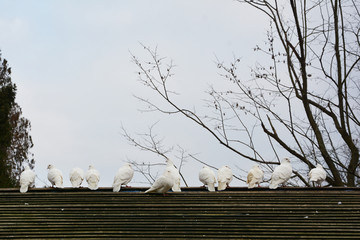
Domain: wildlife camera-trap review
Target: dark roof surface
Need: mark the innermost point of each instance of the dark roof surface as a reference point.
(237, 213)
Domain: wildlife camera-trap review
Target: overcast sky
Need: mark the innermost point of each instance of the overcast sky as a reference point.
(72, 65)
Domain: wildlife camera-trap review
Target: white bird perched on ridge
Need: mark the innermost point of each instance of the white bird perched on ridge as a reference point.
(162, 184)
(27, 178)
(76, 177)
(92, 178)
(123, 176)
(255, 176)
(55, 176)
(225, 176)
(281, 174)
(175, 174)
(207, 177)
(317, 175)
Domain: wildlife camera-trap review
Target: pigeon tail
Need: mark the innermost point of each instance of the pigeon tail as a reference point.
(273, 185)
(24, 188)
(222, 186)
(116, 188)
(59, 185)
(149, 190)
(251, 185)
(176, 186)
(211, 187)
(176, 189)
(93, 182)
(314, 179)
(76, 183)
(93, 186)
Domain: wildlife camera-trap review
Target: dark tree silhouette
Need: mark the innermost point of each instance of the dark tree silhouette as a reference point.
(15, 140)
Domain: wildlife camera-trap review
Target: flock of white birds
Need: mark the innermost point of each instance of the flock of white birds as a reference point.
(170, 179)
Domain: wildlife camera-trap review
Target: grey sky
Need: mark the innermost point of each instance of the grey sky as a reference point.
(76, 81)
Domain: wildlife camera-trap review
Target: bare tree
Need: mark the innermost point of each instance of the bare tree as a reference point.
(152, 143)
(304, 100)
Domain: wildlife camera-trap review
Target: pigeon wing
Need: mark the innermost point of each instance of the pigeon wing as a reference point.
(126, 176)
(93, 178)
(27, 178)
(161, 185)
(76, 177)
(55, 177)
(258, 174)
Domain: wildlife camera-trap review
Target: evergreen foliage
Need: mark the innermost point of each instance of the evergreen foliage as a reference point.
(15, 141)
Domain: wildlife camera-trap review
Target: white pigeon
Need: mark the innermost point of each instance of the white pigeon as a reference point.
(281, 174)
(255, 176)
(55, 176)
(317, 175)
(27, 178)
(92, 178)
(225, 176)
(76, 177)
(175, 174)
(207, 177)
(123, 176)
(162, 184)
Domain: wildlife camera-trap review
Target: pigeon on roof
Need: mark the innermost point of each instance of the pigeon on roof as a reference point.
(27, 178)
(162, 184)
(92, 178)
(76, 177)
(225, 176)
(281, 174)
(255, 176)
(208, 178)
(175, 174)
(123, 176)
(55, 176)
(317, 175)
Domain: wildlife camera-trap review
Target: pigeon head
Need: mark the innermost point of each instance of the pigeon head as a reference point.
(286, 160)
(50, 166)
(167, 172)
(169, 162)
(319, 165)
(27, 168)
(91, 166)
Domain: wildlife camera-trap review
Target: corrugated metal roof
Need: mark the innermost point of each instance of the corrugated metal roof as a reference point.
(237, 213)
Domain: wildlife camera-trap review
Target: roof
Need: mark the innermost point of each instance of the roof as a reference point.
(237, 213)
